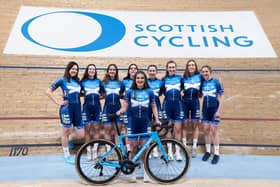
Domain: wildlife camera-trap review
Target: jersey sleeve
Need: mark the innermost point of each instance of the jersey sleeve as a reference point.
(152, 97)
(127, 97)
(56, 84)
(220, 89)
(101, 87)
(182, 83)
(122, 87)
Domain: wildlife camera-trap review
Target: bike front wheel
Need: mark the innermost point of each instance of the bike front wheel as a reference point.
(95, 164)
(174, 169)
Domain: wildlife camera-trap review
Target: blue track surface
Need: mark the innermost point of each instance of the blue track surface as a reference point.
(28, 168)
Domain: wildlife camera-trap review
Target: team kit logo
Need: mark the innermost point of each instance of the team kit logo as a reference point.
(49, 31)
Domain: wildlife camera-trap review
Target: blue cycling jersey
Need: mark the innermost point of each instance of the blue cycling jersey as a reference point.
(192, 86)
(112, 92)
(92, 88)
(139, 101)
(172, 87)
(71, 90)
(210, 90)
(155, 85)
(126, 84)
(71, 112)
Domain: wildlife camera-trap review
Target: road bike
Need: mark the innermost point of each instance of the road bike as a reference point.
(110, 159)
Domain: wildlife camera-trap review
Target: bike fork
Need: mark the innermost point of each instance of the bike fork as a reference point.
(162, 150)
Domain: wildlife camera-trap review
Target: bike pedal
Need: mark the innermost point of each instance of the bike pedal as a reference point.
(137, 164)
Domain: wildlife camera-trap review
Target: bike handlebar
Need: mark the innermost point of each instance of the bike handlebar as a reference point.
(163, 128)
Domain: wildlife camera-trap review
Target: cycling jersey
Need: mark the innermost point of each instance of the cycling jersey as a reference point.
(172, 104)
(156, 86)
(138, 111)
(192, 89)
(71, 112)
(112, 100)
(211, 89)
(92, 88)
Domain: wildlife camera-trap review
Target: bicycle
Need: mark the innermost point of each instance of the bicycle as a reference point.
(112, 158)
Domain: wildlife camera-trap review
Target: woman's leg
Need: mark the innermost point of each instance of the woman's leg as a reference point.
(195, 137)
(207, 139)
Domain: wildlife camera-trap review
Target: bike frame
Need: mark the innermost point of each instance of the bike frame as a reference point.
(153, 137)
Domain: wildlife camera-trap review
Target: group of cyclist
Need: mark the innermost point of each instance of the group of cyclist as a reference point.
(141, 105)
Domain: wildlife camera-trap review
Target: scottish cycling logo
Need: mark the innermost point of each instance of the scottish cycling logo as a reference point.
(104, 33)
(112, 31)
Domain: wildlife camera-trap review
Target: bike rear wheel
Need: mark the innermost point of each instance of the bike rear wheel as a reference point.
(90, 162)
(171, 171)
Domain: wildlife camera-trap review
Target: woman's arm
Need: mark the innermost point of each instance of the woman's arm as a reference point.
(220, 99)
(155, 112)
(50, 94)
(123, 109)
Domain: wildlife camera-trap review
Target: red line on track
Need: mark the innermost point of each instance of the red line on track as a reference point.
(28, 118)
(249, 119)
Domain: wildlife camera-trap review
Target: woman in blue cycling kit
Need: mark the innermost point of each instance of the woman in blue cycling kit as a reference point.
(192, 81)
(138, 101)
(92, 89)
(172, 104)
(112, 86)
(126, 85)
(70, 107)
(155, 84)
(213, 94)
(137, 104)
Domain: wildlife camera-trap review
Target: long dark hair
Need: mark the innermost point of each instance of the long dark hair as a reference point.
(134, 85)
(67, 69)
(187, 73)
(86, 75)
(167, 63)
(107, 76)
(128, 75)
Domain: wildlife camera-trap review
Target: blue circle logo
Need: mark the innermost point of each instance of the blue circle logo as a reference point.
(112, 31)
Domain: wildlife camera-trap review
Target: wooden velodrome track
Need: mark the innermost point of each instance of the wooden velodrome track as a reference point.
(251, 110)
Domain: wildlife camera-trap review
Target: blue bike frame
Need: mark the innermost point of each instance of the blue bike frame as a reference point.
(153, 136)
